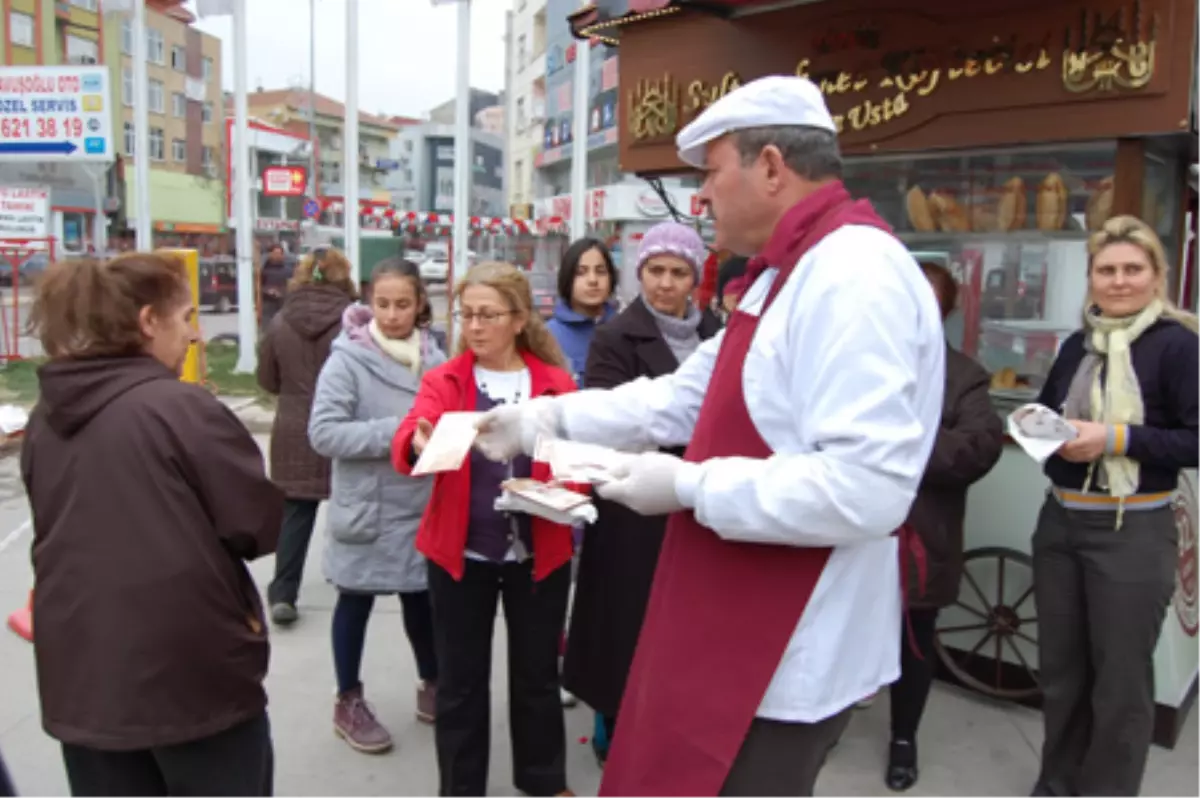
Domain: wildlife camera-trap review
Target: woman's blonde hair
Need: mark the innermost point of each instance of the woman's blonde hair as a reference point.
(324, 267)
(1132, 230)
(508, 281)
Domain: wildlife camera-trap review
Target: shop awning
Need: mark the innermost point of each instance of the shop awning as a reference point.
(604, 19)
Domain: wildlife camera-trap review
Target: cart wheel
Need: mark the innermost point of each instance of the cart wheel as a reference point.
(993, 627)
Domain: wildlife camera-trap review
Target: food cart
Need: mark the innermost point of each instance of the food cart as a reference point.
(993, 136)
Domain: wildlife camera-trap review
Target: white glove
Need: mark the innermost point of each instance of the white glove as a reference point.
(653, 483)
(511, 430)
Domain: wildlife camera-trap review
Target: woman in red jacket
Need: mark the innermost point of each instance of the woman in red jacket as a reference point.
(478, 555)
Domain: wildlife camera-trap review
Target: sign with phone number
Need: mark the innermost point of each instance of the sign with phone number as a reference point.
(55, 113)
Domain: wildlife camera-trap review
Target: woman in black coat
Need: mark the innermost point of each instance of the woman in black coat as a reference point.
(620, 551)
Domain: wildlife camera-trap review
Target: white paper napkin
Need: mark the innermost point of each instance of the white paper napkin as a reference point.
(1039, 430)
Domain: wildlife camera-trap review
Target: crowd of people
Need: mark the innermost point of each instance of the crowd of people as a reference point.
(774, 549)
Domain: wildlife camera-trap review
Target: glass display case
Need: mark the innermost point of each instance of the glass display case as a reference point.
(1012, 226)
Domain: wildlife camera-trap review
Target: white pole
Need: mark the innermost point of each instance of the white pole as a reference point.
(350, 202)
(243, 197)
(579, 139)
(462, 154)
(141, 128)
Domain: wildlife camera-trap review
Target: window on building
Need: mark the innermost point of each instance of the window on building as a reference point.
(82, 51)
(156, 49)
(155, 94)
(178, 150)
(178, 105)
(208, 161)
(207, 114)
(86, 5)
(521, 52)
(127, 37)
(178, 58)
(157, 144)
(331, 172)
(206, 69)
(20, 29)
(521, 123)
(127, 87)
(130, 138)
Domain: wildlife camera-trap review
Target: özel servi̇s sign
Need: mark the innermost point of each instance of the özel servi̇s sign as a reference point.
(55, 113)
(24, 216)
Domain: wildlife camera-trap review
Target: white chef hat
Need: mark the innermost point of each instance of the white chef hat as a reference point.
(773, 101)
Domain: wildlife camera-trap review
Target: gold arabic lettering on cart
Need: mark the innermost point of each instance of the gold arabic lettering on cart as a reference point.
(653, 108)
(1106, 54)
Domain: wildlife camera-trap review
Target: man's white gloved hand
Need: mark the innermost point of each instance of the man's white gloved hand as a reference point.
(653, 483)
(511, 430)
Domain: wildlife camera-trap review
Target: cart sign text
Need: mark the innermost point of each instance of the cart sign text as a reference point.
(55, 113)
(24, 216)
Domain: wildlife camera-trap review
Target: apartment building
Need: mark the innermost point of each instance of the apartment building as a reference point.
(423, 178)
(51, 33)
(186, 142)
(526, 100)
(292, 109)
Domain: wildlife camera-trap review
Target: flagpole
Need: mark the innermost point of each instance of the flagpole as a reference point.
(579, 138)
(141, 129)
(243, 195)
(350, 203)
(462, 155)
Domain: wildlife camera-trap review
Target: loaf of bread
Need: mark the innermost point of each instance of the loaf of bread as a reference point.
(950, 216)
(1012, 207)
(1004, 380)
(984, 217)
(919, 212)
(1099, 204)
(1051, 208)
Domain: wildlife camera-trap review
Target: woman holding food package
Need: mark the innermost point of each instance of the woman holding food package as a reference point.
(366, 386)
(1105, 546)
(968, 445)
(478, 555)
(651, 337)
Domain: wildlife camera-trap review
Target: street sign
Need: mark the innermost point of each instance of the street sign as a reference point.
(284, 181)
(24, 214)
(55, 113)
(312, 209)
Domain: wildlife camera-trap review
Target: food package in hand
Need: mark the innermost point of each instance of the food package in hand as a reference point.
(584, 463)
(545, 500)
(1039, 430)
(449, 445)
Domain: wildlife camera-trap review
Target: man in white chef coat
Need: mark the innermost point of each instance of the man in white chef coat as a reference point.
(809, 420)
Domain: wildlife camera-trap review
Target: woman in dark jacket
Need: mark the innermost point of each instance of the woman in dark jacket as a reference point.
(290, 356)
(1105, 547)
(149, 496)
(649, 338)
(967, 446)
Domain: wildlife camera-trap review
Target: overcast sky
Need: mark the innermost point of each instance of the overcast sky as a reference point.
(406, 49)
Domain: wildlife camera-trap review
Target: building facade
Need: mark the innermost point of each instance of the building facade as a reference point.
(292, 110)
(423, 179)
(526, 100)
(37, 32)
(186, 138)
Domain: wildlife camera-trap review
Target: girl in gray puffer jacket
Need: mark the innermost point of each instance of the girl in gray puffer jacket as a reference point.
(365, 389)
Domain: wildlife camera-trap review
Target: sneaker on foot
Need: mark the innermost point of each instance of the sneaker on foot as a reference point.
(901, 773)
(284, 614)
(426, 701)
(568, 700)
(355, 723)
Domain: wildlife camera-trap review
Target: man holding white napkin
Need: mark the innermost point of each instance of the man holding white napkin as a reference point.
(776, 603)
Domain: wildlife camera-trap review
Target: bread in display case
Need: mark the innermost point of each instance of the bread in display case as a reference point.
(1012, 227)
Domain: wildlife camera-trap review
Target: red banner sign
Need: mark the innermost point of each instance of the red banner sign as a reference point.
(284, 181)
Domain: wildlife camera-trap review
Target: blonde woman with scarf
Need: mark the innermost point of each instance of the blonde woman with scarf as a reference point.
(1104, 551)
(365, 389)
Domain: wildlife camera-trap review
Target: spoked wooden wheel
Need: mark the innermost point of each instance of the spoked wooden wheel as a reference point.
(988, 638)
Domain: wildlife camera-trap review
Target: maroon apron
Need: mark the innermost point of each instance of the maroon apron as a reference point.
(720, 614)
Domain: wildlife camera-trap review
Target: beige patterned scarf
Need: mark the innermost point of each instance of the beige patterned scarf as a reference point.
(405, 351)
(1115, 399)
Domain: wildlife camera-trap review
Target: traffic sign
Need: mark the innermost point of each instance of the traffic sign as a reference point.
(55, 113)
(284, 181)
(312, 209)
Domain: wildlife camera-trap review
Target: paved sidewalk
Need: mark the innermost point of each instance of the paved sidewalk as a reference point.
(969, 746)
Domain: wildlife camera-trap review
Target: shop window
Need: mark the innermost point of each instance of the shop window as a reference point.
(1012, 226)
(1161, 204)
(75, 227)
(157, 144)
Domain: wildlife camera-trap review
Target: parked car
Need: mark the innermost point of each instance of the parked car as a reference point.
(435, 269)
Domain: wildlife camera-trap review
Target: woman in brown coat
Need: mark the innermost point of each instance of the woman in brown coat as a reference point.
(967, 447)
(149, 496)
(290, 356)
(650, 338)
